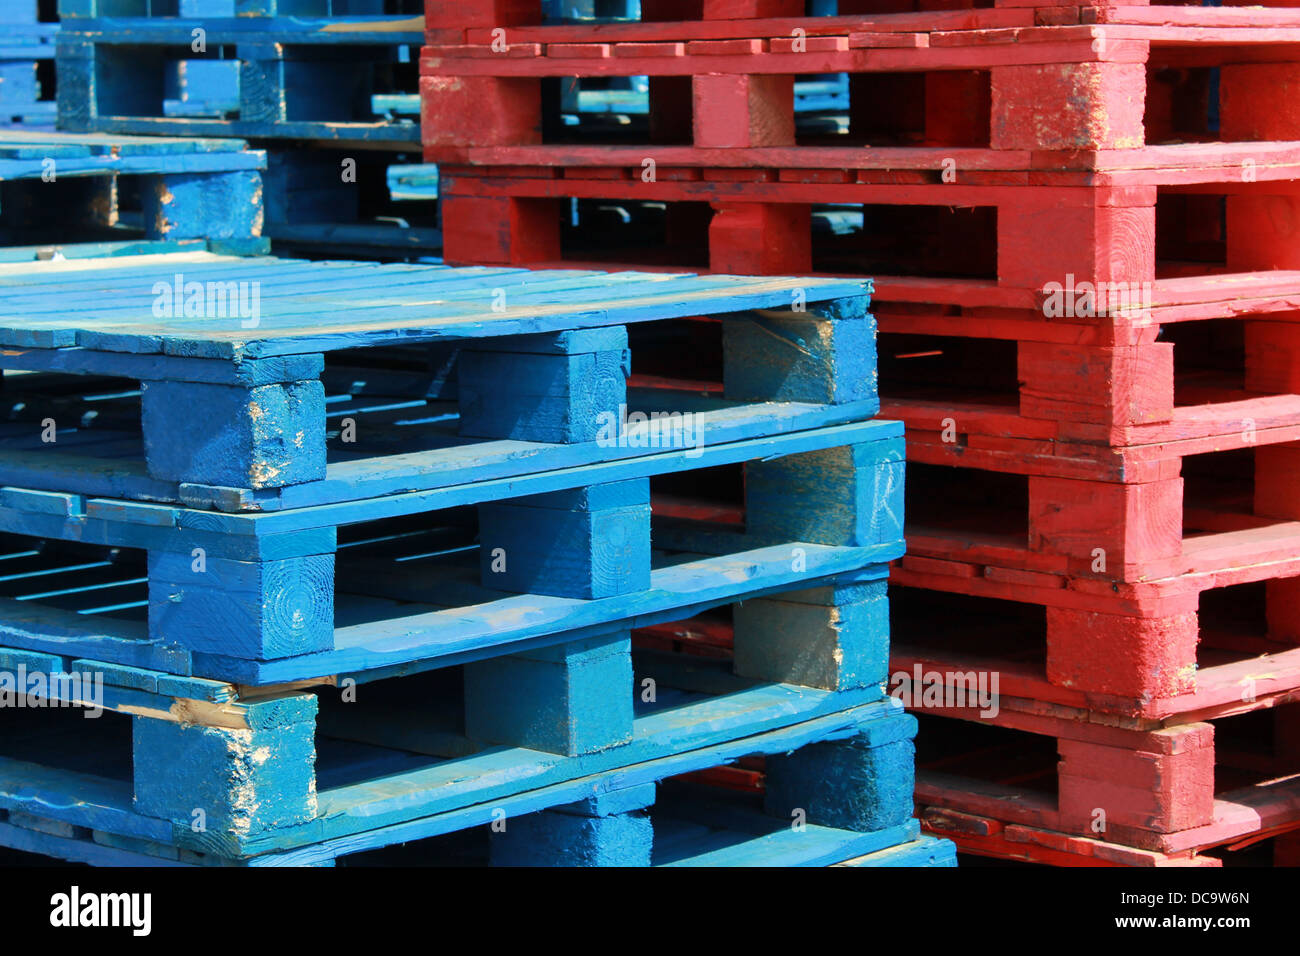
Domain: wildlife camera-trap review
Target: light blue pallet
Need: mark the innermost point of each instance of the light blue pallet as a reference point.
(687, 837)
(290, 77)
(23, 43)
(457, 610)
(531, 336)
(189, 188)
(925, 851)
(783, 848)
(571, 509)
(130, 248)
(417, 181)
(845, 767)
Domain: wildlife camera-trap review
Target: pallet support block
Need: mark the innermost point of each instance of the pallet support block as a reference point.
(1106, 105)
(1107, 527)
(851, 784)
(260, 610)
(565, 387)
(204, 205)
(264, 436)
(462, 111)
(242, 770)
(827, 356)
(956, 108)
(452, 17)
(750, 238)
(1282, 609)
(1128, 385)
(1249, 105)
(737, 110)
(570, 699)
(1273, 355)
(613, 829)
(1165, 789)
(1120, 654)
(1095, 237)
(750, 9)
(1277, 481)
(588, 543)
(499, 231)
(1262, 227)
(836, 638)
(841, 496)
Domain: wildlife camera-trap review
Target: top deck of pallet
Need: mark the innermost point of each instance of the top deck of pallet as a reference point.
(474, 20)
(313, 307)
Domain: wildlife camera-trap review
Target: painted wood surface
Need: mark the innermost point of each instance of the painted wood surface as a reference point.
(361, 816)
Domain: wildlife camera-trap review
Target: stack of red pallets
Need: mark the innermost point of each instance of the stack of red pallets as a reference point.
(1083, 223)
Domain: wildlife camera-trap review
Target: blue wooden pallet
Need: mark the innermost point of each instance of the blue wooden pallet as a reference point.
(323, 203)
(187, 780)
(70, 183)
(132, 248)
(537, 359)
(413, 182)
(343, 588)
(166, 10)
(291, 77)
(925, 851)
(24, 99)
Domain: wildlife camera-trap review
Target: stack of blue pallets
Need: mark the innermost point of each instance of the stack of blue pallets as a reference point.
(350, 554)
(26, 59)
(307, 80)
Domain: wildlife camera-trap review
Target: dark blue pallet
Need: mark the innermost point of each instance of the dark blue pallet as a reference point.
(296, 78)
(324, 203)
(266, 782)
(68, 184)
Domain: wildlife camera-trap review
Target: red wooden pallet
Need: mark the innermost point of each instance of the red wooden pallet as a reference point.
(972, 246)
(1128, 85)
(474, 20)
(1124, 647)
(985, 836)
(1175, 789)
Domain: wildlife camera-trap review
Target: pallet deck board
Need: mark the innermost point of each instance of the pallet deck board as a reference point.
(422, 313)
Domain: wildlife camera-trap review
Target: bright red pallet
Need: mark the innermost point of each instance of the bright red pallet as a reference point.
(985, 836)
(1129, 85)
(1135, 651)
(968, 246)
(1171, 788)
(472, 21)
